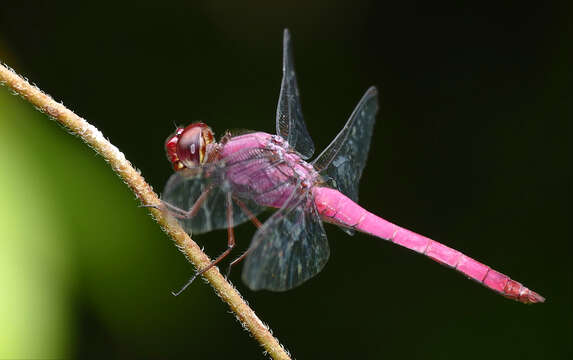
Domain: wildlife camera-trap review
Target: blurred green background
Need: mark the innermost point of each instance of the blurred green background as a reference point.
(472, 147)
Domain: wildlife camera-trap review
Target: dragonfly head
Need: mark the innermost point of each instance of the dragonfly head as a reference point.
(187, 147)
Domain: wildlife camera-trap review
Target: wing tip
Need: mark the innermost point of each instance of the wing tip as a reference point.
(286, 40)
(372, 91)
(259, 284)
(286, 50)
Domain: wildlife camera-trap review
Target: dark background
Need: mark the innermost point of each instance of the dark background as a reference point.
(472, 147)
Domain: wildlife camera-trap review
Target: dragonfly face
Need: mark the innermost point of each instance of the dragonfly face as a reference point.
(187, 147)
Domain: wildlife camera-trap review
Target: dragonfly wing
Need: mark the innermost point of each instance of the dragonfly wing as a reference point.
(289, 120)
(290, 247)
(208, 186)
(344, 159)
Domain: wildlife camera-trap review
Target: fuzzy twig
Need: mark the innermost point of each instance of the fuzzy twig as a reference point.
(95, 139)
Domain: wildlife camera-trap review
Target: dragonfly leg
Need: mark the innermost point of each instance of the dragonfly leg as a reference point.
(182, 214)
(251, 216)
(256, 222)
(158, 207)
(230, 246)
(236, 261)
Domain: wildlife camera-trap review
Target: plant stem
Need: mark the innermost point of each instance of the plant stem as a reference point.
(95, 139)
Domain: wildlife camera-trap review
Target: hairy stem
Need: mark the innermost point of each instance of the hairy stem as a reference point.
(95, 139)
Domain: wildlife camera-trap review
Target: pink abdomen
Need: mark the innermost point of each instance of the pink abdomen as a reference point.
(338, 209)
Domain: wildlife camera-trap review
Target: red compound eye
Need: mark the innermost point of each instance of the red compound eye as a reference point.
(188, 146)
(171, 149)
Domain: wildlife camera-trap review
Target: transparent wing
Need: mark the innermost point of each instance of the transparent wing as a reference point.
(255, 177)
(206, 188)
(290, 247)
(289, 120)
(344, 159)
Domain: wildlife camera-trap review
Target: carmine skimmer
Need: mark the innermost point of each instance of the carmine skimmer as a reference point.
(218, 185)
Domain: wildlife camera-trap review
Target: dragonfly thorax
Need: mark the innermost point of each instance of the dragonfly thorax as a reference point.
(265, 167)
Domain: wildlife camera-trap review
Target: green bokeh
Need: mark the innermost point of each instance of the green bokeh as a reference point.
(34, 256)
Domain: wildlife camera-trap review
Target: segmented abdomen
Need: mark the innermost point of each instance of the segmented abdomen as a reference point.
(336, 208)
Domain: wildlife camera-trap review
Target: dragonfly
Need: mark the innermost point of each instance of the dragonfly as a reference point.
(219, 185)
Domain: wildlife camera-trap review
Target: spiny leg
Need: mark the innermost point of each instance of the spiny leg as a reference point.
(256, 222)
(230, 245)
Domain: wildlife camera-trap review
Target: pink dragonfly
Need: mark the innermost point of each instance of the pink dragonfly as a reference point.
(218, 185)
